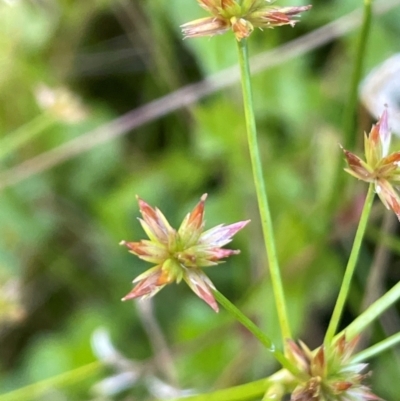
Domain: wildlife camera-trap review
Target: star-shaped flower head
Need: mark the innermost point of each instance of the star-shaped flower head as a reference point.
(242, 16)
(180, 254)
(329, 374)
(379, 167)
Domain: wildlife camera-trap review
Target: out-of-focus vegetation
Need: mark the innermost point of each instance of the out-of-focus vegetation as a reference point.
(70, 67)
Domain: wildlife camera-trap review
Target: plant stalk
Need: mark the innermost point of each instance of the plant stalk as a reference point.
(372, 312)
(349, 115)
(377, 348)
(245, 392)
(351, 265)
(263, 338)
(262, 199)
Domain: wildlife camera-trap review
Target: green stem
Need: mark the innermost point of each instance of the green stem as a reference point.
(244, 392)
(350, 110)
(265, 214)
(19, 137)
(349, 115)
(351, 265)
(264, 339)
(372, 312)
(36, 390)
(377, 348)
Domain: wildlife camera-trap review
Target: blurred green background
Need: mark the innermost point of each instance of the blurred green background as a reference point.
(67, 198)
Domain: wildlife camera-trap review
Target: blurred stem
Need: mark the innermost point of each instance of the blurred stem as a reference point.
(371, 313)
(376, 349)
(351, 265)
(37, 390)
(351, 108)
(246, 392)
(264, 339)
(162, 354)
(249, 391)
(23, 134)
(262, 199)
(349, 115)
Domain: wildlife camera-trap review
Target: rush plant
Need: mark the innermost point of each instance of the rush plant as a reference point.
(333, 371)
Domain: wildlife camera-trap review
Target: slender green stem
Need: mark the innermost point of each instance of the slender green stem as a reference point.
(351, 265)
(23, 134)
(263, 338)
(376, 349)
(245, 392)
(36, 390)
(372, 312)
(350, 110)
(265, 214)
(349, 115)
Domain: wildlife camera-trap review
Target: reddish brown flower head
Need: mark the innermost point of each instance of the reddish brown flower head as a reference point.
(242, 16)
(379, 167)
(180, 254)
(329, 374)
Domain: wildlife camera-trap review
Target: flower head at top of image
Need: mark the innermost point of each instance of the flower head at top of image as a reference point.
(242, 16)
(379, 167)
(180, 254)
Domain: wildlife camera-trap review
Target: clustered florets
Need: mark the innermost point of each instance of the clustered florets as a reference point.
(329, 374)
(180, 254)
(380, 168)
(242, 16)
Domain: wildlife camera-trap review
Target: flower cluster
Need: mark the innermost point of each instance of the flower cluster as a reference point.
(180, 254)
(242, 16)
(329, 373)
(380, 167)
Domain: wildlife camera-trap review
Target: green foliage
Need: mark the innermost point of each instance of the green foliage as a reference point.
(60, 226)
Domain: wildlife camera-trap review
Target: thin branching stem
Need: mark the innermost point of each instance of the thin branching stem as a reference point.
(359, 324)
(350, 111)
(351, 265)
(377, 348)
(259, 182)
(263, 338)
(245, 392)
